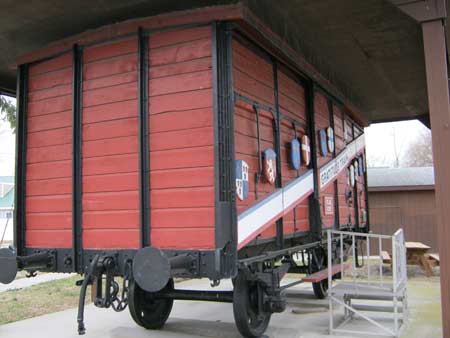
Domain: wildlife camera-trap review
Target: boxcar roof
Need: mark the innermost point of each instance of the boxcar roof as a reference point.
(371, 51)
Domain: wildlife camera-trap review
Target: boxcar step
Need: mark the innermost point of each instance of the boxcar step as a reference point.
(323, 274)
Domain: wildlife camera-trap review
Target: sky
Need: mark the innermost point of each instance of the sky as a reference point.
(7, 149)
(384, 140)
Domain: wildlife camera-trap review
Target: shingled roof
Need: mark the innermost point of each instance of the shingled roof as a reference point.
(397, 179)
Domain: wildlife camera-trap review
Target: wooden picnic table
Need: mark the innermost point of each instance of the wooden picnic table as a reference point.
(417, 254)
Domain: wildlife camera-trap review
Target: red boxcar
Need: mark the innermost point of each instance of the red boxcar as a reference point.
(192, 151)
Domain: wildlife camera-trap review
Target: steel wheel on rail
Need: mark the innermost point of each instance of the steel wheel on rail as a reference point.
(319, 263)
(146, 310)
(250, 322)
(320, 289)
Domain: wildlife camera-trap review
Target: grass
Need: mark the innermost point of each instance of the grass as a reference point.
(39, 299)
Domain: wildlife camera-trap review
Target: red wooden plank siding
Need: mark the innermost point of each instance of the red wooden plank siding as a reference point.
(49, 155)
(181, 139)
(291, 98)
(345, 211)
(253, 77)
(322, 121)
(110, 147)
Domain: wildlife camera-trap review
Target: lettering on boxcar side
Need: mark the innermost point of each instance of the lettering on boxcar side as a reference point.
(328, 205)
(329, 171)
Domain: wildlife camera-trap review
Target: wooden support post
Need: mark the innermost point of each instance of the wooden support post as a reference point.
(439, 108)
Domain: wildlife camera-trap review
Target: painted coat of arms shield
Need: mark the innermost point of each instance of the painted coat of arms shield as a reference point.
(242, 185)
(323, 143)
(306, 150)
(330, 139)
(295, 154)
(352, 175)
(270, 165)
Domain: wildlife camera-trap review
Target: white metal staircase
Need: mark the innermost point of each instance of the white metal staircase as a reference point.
(365, 292)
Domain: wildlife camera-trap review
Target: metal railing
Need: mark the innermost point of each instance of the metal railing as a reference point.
(367, 278)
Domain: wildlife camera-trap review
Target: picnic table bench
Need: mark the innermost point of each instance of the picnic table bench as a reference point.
(417, 254)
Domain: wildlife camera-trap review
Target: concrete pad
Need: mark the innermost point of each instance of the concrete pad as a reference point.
(187, 320)
(304, 317)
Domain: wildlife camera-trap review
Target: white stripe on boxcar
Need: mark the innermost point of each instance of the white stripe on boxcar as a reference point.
(333, 168)
(259, 215)
(252, 221)
(298, 189)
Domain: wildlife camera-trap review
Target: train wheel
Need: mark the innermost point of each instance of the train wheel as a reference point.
(319, 263)
(147, 311)
(320, 289)
(250, 322)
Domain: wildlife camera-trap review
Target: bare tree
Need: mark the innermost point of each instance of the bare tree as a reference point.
(419, 152)
(377, 160)
(397, 147)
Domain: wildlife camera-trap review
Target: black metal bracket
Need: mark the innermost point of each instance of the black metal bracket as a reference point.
(77, 124)
(225, 255)
(315, 219)
(21, 159)
(144, 159)
(88, 279)
(258, 132)
(107, 296)
(277, 145)
(268, 280)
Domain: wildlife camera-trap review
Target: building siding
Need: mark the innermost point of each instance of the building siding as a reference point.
(414, 211)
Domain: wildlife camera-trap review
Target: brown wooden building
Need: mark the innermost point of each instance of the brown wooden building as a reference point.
(404, 197)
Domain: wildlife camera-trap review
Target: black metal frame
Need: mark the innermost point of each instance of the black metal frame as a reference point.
(277, 144)
(144, 158)
(21, 159)
(336, 184)
(224, 157)
(366, 194)
(315, 218)
(77, 123)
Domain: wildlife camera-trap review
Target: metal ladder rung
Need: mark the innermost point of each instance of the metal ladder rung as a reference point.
(376, 308)
(372, 297)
